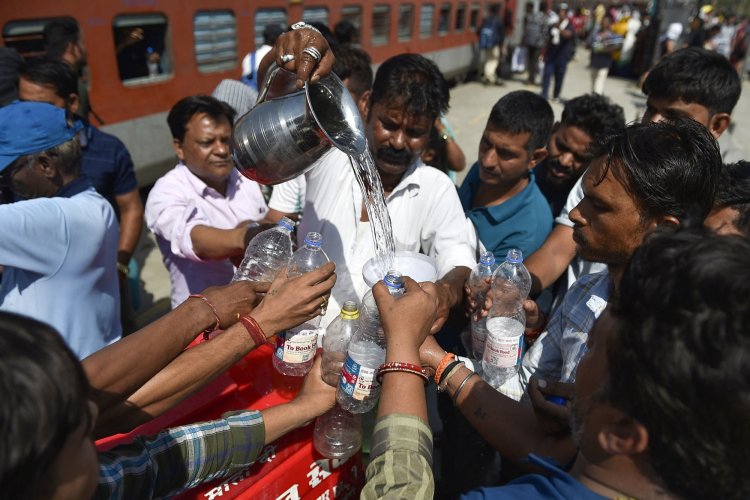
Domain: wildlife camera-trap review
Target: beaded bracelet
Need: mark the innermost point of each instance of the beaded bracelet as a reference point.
(442, 365)
(213, 310)
(397, 366)
(442, 382)
(460, 387)
(254, 329)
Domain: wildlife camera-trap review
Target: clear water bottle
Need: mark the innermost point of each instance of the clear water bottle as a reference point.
(336, 342)
(338, 433)
(358, 390)
(266, 253)
(480, 282)
(506, 320)
(295, 348)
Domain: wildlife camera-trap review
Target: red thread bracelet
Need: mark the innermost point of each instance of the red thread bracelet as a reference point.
(254, 329)
(397, 366)
(213, 310)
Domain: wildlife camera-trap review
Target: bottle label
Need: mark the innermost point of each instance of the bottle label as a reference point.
(504, 342)
(357, 381)
(299, 348)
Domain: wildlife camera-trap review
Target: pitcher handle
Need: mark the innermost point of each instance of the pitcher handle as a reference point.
(272, 70)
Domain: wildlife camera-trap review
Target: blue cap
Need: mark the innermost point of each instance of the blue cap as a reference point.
(32, 127)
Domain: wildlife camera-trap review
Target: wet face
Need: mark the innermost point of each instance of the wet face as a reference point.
(503, 157)
(607, 222)
(396, 137)
(723, 220)
(567, 154)
(75, 471)
(205, 149)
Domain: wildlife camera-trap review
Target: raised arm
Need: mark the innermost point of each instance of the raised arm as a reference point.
(549, 262)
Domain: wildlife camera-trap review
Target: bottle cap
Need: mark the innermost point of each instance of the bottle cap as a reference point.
(558, 400)
(286, 223)
(349, 310)
(393, 279)
(314, 239)
(514, 255)
(487, 259)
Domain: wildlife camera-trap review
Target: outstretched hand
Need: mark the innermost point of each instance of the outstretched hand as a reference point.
(408, 319)
(292, 301)
(235, 299)
(294, 43)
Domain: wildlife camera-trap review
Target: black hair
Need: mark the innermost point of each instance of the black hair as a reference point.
(345, 32)
(53, 72)
(271, 32)
(354, 64)
(695, 75)
(593, 113)
(733, 190)
(333, 43)
(414, 82)
(45, 393)
(677, 359)
(59, 33)
(670, 168)
(521, 112)
(182, 112)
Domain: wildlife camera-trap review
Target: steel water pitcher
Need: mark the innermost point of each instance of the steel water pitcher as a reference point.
(289, 129)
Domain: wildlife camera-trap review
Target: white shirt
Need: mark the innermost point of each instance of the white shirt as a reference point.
(259, 55)
(425, 211)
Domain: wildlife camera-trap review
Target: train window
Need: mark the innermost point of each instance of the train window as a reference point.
(142, 47)
(264, 17)
(215, 34)
(405, 21)
(315, 15)
(474, 17)
(381, 24)
(444, 19)
(426, 20)
(26, 36)
(460, 17)
(353, 14)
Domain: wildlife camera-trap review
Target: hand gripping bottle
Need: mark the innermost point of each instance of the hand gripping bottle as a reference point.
(336, 342)
(358, 390)
(506, 320)
(268, 252)
(480, 282)
(295, 348)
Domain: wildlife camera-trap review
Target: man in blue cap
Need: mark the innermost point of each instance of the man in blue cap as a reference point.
(59, 246)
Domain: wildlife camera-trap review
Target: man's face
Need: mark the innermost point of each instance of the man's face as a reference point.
(503, 157)
(30, 91)
(567, 154)
(607, 222)
(28, 180)
(205, 148)
(75, 471)
(396, 137)
(589, 414)
(659, 109)
(723, 220)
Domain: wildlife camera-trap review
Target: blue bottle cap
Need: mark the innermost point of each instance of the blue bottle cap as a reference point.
(558, 400)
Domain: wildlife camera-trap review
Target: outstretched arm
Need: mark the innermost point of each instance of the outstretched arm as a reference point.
(549, 262)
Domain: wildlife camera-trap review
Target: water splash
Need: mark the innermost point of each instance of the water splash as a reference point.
(380, 221)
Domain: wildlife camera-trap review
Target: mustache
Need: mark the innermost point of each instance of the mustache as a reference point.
(389, 154)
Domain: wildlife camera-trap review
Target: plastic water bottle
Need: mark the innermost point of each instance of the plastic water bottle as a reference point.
(295, 348)
(358, 390)
(336, 342)
(266, 253)
(480, 282)
(506, 320)
(338, 433)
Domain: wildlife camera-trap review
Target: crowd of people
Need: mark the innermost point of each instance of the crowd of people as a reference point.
(634, 383)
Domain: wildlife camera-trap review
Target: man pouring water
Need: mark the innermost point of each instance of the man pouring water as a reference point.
(408, 93)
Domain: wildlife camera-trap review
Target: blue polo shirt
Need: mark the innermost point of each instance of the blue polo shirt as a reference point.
(522, 222)
(555, 484)
(107, 164)
(59, 256)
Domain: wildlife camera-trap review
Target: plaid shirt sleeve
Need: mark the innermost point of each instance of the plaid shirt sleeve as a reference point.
(181, 457)
(401, 459)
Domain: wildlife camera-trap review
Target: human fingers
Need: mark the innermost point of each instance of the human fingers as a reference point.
(305, 52)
